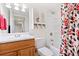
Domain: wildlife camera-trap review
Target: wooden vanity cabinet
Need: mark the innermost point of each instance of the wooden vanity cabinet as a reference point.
(18, 48)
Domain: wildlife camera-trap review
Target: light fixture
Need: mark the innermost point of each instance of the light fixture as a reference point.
(8, 5)
(24, 7)
(16, 6)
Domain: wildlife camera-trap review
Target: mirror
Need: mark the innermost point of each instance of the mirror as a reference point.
(17, 17)
(19, 24)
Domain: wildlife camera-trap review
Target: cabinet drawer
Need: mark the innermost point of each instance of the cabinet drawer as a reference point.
(24, 52)
(27, 52)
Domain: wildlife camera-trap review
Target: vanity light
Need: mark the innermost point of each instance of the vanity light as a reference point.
(24, 7)
(16, 4)
(8, 5)
(16, 8)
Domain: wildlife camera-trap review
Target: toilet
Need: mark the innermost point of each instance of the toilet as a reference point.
(41, 47)
(44, 51)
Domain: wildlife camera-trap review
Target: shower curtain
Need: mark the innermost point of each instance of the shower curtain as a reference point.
(70, 29)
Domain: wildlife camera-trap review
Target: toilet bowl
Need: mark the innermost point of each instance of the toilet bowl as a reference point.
(54, 50)
(42, 48)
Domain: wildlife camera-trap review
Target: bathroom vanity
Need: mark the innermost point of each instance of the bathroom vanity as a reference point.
(18, 48)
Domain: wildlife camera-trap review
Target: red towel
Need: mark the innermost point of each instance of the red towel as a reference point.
(3, 23)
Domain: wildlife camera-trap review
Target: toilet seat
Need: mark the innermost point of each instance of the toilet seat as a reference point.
(45, 51)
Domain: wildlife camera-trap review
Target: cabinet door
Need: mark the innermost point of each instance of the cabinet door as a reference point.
(32, 51)
(24, 52)
(10, 54)
(27, 52)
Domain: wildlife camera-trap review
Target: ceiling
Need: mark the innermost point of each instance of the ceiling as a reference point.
(41, 6)
(44, 6)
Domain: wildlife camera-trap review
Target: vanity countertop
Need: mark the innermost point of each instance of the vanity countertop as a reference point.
(14, 37)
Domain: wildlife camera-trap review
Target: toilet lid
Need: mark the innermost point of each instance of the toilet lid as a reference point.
(45, 51)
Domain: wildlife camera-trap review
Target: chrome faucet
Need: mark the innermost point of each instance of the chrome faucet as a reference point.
(17, 35)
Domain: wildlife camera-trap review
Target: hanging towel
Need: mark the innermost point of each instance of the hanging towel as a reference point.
(3, 25)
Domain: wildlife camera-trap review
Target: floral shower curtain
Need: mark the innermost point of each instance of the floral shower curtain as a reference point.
(70, 29)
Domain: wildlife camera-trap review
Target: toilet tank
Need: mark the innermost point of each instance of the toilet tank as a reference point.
(40, 42)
